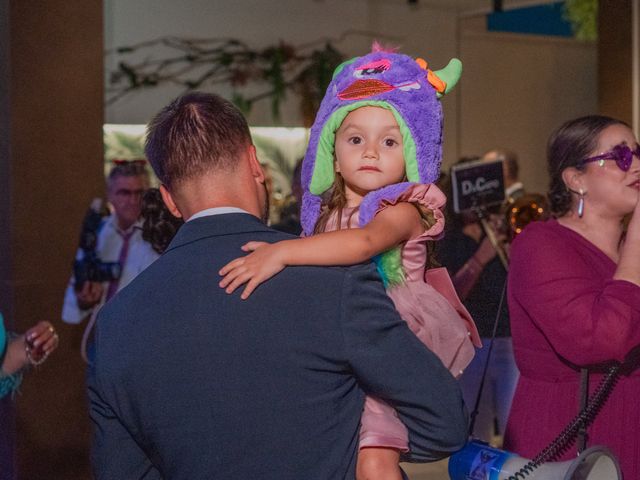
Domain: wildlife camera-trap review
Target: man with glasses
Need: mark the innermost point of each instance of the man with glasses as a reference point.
(119, 240)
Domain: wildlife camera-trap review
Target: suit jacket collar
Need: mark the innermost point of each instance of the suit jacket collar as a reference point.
(216, 225)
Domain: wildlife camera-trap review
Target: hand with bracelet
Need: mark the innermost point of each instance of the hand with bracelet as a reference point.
(40, 340)
(31, 348)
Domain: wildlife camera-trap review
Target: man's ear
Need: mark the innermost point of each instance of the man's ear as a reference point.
(572, 178)
(168, 201)
(254, 164)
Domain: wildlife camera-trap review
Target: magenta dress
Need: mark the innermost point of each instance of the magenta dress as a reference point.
(440, 323)
(566, 312)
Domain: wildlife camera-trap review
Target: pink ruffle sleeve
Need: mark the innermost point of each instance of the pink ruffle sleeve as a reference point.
(428, 196)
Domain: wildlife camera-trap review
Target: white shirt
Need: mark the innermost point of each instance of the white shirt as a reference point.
(513, 188)
(139, 257)
(208, 212)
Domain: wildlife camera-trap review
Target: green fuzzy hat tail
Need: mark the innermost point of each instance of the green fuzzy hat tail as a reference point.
(389, 266)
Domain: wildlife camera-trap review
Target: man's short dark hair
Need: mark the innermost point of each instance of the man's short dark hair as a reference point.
(195, 134)
(128, 168)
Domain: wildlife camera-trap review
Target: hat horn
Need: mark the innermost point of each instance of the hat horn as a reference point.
(450, 75)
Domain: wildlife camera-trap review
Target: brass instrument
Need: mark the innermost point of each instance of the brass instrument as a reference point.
(517, 214)
(524, 210)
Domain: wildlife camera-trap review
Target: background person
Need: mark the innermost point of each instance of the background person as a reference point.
(513, 187)
(290, 214)
(119, 239)
(479, 277)
(159, 226)
(17, 353)
(574, 293)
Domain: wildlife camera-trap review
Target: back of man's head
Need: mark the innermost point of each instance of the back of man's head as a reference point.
(195, 134)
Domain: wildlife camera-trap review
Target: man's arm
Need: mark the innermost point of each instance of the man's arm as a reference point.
(115, 453)
(391, 363)
(78, 305)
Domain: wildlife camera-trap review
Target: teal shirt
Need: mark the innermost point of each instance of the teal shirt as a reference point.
(8, 383)
(3, 339)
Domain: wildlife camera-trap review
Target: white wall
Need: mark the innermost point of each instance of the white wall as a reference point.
(514, 90)
(418, 30)
(517, 89)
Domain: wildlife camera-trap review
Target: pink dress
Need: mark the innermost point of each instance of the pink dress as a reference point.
(567, 311)
(438, 319)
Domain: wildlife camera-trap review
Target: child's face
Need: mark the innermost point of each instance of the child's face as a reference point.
(369, 152)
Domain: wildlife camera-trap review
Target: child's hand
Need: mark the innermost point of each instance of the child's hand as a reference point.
(260, 265)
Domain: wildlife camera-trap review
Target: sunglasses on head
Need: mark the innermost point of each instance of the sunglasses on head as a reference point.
(622, 155)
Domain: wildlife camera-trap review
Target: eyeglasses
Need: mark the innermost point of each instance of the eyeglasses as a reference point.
(126, 193)
(622, 155)
(120, 162)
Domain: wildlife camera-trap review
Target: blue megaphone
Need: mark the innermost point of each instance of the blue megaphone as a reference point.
(480, 461)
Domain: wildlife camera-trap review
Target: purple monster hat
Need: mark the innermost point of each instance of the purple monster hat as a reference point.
(406, 87)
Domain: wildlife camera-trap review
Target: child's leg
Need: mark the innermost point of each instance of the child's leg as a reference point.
(375, 463)
(382, 438)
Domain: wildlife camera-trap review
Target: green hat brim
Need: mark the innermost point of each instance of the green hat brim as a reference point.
(324, 171)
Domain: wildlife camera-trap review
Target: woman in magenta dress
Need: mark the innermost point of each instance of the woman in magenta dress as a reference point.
(574, 293)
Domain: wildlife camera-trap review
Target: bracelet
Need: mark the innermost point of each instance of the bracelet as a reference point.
(32, 361)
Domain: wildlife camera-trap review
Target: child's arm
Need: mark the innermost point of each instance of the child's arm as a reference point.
(392, 226)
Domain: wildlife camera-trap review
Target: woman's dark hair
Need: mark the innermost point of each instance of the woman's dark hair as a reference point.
(129, 168)
(568, 146)
(159, 225)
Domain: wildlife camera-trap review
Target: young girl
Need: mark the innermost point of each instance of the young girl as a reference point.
(374, 151)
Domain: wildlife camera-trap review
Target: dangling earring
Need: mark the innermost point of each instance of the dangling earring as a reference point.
(581, 204)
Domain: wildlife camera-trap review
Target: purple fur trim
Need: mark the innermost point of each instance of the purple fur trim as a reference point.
(308, 164)
(372, 200)
(309, 213)
(411, 96)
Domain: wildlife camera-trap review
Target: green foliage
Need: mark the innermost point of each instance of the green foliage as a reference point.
(241, 102)
(269, 149)
(312, 82)
(583, 15)
(194, 64)
(123, 146)
(274, 74)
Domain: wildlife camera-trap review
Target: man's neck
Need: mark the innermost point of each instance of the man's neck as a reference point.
(198, 198)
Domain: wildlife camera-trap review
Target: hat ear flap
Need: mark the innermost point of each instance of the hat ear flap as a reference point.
(323, 174)
(309, 212)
